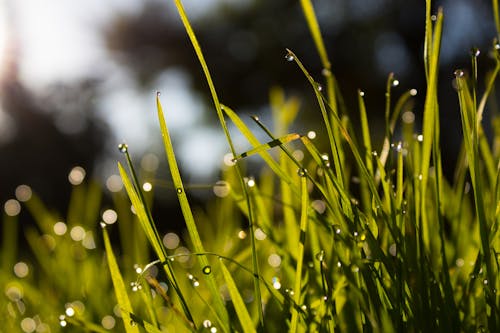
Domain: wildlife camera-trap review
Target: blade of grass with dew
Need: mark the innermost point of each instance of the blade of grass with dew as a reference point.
(266, 146)
(237, 300)
(301, 247)
(119, 286)
(430, 114)
(496, 15)
(151, 232)
(243, 128)
(220, 115)
(189, 218)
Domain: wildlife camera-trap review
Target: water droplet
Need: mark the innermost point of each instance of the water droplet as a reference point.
(361, 93)
(413, 92)
(497, 46)
(207, 323)
(393, 250)
(485, 282)
(254, 117)
(207, 270)
(354, 269)
(251, 182)
(303, 307)
(132, 322)
(302, 172)
(63, 323)
(475, 52)
(122, 147)
(374, 153)
(289, 57)
(458, 73)
(339, 264)
(433, 17)
(276, 283)
(311, 135)
(420, 138)
(179, 190)
(213, 329)
(337, 229)
(321, 255)
(319, 87)
(103, 225)
(395, 83)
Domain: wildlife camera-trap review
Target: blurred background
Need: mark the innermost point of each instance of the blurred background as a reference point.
(79, 77)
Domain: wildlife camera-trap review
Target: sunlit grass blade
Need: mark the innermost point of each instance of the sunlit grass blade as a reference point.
(237, 300)
(276, 142)
(119, 286)
(300, 255)
(188, 216)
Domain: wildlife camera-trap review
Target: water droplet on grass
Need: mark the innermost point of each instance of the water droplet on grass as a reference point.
(433, 18)
(395, 83)
(132, 322)
(207, 323)
(207, 270)
(158, 93)
(458, 73)
(321, 255)
(311, 135)
(319, 87)
(413, 92)
(122, 147)
(326, 72)
(289, 57)
(354, 269)
(276, 283)
(361, 93)
(475, 52)
(179, 190)
(302, 172)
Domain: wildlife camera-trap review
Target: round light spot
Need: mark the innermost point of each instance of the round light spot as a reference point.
(147, 186)
(393, 250)
(77, 233)
(28, 325)
(108, 322)
(14, 292)
(459, 262)
(251, 182)
(242, 234)
(420, 138)
(311, 135)
(117, 311)
(70, 312)
(274, 260)
(109, 216)
(114, 183)
(60, 228)
(21, 269)
(171, 240)
(298, 155)
(42, 328)
(150, 162)
(319, 206)
(88, 241)
(259, 234)
(221, 189)
(12, 207)
(76, 175)
(229, 160)
(23, 193)
(408, 117)
(183, 254)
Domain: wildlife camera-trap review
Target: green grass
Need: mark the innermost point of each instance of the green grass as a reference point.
(354, 238)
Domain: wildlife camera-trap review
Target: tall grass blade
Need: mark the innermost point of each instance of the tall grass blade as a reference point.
(119, 286)
(237, 300)
(188, 216)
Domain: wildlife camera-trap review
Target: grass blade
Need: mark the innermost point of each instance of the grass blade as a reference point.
(119, 287)
(239, 305)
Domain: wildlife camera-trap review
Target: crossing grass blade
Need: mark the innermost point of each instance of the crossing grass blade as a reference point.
(119, 286)
(266, 146)
(189, 218)
(241, 310)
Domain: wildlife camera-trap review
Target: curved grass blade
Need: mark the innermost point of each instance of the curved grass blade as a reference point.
(239, 305)
(189, 218)
(119, 286)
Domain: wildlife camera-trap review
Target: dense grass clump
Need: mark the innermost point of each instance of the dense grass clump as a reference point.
(347, 238)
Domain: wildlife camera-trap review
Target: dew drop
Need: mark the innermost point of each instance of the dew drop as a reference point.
(475, 52)
(497, 46)
(122, 147)
(302, 172)
(458, 73)
(276, 283)
(207, 323)
(179, 190)
(207, 270)
(319, 87)
(361, 93)
(289, 57)
(337, 229)
(374, 153)
(420, 138)
(354, 269)
(395, 83)
(132, 322)
(311, 135)
(158, 93)
(321, 255)
(433, 17)
(413, 92)
(485, 282)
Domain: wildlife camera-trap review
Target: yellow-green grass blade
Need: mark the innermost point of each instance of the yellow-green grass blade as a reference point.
(243, 128)
(496, 15)
(237, 300)
(119, 286)
(300, 255)
(266, 146)
(430, 114)
(188, 216)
